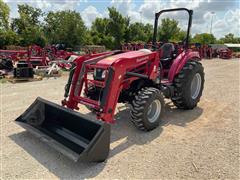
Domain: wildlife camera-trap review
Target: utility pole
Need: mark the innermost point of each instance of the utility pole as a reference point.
(212, 13)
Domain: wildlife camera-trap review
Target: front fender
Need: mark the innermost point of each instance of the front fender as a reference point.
(180, 61)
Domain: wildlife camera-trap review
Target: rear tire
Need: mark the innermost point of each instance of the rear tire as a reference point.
(147, 109)
(188, 85)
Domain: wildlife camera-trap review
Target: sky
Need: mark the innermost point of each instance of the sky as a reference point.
(224, 14)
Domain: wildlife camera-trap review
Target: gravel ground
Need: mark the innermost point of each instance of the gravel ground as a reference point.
(196, 144)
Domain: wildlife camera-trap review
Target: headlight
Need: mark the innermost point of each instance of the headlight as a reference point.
(104, 74)
(99, 74)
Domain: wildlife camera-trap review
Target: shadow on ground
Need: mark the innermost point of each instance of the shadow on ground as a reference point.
(66, 169)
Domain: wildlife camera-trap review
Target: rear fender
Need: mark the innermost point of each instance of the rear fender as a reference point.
(180, 61)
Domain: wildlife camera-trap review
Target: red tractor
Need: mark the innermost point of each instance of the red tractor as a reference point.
(140, 78)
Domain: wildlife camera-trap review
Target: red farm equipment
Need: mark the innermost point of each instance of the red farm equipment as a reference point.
(60, 57)
(205, 51)
(140, 78)
(33, 55)
(24, 65)
(56, 54)
(14, 55)
(8, 57)
(221, 51)
(37, 56)
(225, 53)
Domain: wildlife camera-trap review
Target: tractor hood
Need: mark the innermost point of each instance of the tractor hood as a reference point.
(131, 55)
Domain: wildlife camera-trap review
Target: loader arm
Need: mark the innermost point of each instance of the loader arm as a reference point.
(75, 80)
(113, 83)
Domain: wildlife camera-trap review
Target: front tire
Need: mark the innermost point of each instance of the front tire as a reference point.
(188, 85)
(147, 109)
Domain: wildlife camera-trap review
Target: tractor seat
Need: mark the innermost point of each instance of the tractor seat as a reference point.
(167, 50)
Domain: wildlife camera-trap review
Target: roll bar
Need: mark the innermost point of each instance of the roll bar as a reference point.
(190, 13)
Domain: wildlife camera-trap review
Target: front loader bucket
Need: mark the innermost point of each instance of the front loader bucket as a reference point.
(73, 134)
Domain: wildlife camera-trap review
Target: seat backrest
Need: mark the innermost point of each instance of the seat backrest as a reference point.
(167, 50)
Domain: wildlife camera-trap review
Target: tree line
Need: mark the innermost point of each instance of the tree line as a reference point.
(33, 26)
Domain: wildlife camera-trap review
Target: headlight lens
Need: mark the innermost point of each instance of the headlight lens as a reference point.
(104, 74)
(99, 74)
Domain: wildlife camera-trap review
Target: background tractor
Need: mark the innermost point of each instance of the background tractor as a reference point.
(140, 78)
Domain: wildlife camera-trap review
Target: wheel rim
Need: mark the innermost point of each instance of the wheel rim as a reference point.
(154, 111)
(196, 85)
